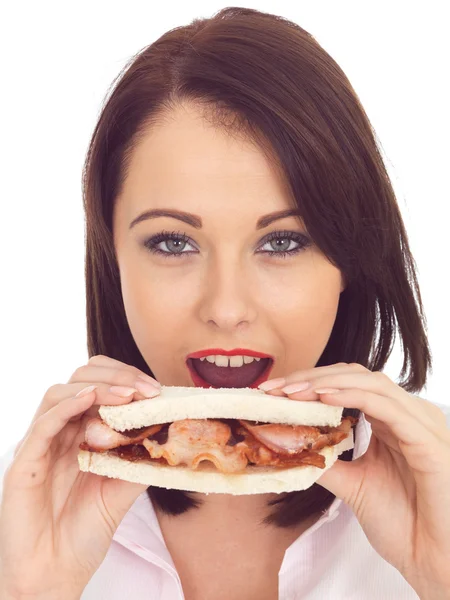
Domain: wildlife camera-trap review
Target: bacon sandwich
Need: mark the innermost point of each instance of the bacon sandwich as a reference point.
(217, 440)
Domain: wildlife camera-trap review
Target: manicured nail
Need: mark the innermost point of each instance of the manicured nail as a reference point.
(296, 387)
(147, 389)
(271, 384)
(123, 392)
(149, 379)
(85, 391)
(327, 391)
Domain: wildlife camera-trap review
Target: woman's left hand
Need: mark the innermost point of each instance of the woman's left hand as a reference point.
(399, 490)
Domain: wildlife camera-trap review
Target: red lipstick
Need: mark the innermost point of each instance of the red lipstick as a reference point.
(200, 382)
(235, 352)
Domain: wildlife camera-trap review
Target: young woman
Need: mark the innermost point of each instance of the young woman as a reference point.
(235, 197)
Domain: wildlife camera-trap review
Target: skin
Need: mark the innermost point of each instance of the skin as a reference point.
(222, 292)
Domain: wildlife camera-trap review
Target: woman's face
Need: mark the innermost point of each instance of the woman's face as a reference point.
(219, 287)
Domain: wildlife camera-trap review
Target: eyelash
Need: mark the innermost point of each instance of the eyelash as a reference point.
(303, 241)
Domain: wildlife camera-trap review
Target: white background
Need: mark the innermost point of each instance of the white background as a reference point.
(58, 60)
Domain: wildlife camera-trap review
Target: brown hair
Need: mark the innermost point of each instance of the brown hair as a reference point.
(264, 77)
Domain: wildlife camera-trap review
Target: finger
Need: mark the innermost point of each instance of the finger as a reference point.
(426, 453)
(119, 496)
(35, 446)
(111, 375)
(91, 413)
(307, 375)
(86, 375)
(105, 361)
(54, 396)
(117, 377)
(378, 383)
(409, 428)
(276, 392)
(105, 395)
(383, 433)
(59, 392)
(306, 396)
(342, 479)
(116, 396)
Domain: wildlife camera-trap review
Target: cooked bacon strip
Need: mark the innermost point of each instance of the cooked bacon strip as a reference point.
(99, 436)
(191, 441)
(259, 455)
(292, 439)
(296, 460)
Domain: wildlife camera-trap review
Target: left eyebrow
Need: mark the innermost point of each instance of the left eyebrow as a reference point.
(196, 221)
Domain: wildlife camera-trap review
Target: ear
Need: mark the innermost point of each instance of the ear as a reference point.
(343, 283)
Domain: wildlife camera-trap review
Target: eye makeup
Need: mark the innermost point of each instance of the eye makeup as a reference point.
(176, 241)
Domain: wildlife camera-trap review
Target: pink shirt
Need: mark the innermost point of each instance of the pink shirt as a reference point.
(331, 560)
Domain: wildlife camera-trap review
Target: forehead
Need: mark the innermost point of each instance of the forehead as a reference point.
(187, 164)
(185, 158)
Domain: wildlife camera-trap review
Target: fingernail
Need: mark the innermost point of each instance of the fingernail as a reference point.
(147, 389)
(296, 387)
(86, 391)
(149, 379)
(271, 384)
(327, 391)
(123, 392)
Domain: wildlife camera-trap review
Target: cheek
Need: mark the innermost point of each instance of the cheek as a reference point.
(303, 311)
(156, 308)
(153, 307)
(310, 289)
(152, 296)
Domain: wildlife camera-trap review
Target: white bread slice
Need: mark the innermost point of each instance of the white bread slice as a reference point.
(206, 479)
(175, 403)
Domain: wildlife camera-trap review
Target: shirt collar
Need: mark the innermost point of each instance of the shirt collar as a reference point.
(139, 530)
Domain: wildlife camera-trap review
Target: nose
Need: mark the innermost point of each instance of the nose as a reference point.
(228, 298)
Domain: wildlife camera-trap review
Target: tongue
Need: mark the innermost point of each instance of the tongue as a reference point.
(228, 377)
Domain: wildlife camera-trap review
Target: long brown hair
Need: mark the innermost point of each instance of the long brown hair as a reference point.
(263, 77)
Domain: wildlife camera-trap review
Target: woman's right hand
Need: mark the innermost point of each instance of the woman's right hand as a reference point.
(57, 522)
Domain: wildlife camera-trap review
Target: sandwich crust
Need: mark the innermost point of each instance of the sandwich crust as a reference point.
(175, 403)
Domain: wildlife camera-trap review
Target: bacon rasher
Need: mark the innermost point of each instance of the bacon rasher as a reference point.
(192, 441)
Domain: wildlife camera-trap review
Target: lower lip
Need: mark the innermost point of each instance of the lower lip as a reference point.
(200, 382)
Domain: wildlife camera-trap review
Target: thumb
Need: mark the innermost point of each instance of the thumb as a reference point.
(343, 479)
(120, 495)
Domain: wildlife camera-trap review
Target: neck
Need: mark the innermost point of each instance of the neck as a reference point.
(248, 510)
(237, 516)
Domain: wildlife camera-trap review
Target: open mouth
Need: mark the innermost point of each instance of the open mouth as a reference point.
(206, 374)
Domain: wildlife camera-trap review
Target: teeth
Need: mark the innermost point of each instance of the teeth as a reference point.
(230, 361)
(236, 361)
(222, 361)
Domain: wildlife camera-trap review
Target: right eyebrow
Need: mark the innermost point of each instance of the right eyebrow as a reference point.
(196, 221)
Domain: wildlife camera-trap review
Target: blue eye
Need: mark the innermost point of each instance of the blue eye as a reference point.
(176, 242)
(300, 239)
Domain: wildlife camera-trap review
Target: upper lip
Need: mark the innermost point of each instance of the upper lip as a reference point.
(234, 352)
